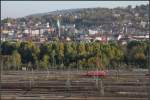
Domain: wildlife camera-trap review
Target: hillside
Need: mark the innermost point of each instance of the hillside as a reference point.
(96, 15)
(107, 19)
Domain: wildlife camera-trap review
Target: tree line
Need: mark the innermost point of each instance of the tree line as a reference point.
(78, 55)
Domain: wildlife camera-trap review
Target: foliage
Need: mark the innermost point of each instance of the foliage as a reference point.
(75, 54)
(16, 59)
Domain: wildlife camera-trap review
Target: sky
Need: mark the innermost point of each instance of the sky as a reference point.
(15, 9)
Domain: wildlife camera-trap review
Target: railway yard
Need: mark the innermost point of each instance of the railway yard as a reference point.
(72, 85)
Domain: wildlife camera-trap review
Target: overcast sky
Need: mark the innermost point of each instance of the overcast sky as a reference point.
(16, 9)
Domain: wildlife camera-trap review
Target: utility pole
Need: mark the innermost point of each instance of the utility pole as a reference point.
(1, 64)
(68, 83)
(148, 64)
(0, 60)
(149, 54)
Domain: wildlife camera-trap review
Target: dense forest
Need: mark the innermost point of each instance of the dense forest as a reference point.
(57, 54)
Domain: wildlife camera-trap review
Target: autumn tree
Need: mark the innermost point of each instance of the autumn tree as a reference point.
(16, 60)
(44, 63)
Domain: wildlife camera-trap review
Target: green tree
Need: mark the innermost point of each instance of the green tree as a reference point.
(8, 47)
(29, 52)
(61, 53)
(45, 62)
(16, 58)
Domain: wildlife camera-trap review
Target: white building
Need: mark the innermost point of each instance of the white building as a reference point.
(142, 37)
(35, 32)
(136, 14)
(8, 24)
(26, 31)
(47, 25)
(143, 24)
(92, 32)
(98, 39)
(116, 15)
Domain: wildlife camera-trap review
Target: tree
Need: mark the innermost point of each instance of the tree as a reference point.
(53, 54)
(29, 52)
(74, 54)
(8, 47)
(16, 60)
(45, 62)
(61, 53)
(137, 51)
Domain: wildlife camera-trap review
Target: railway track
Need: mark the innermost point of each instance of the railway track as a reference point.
(21, 88)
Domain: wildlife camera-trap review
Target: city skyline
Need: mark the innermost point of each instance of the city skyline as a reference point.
(15, 9)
